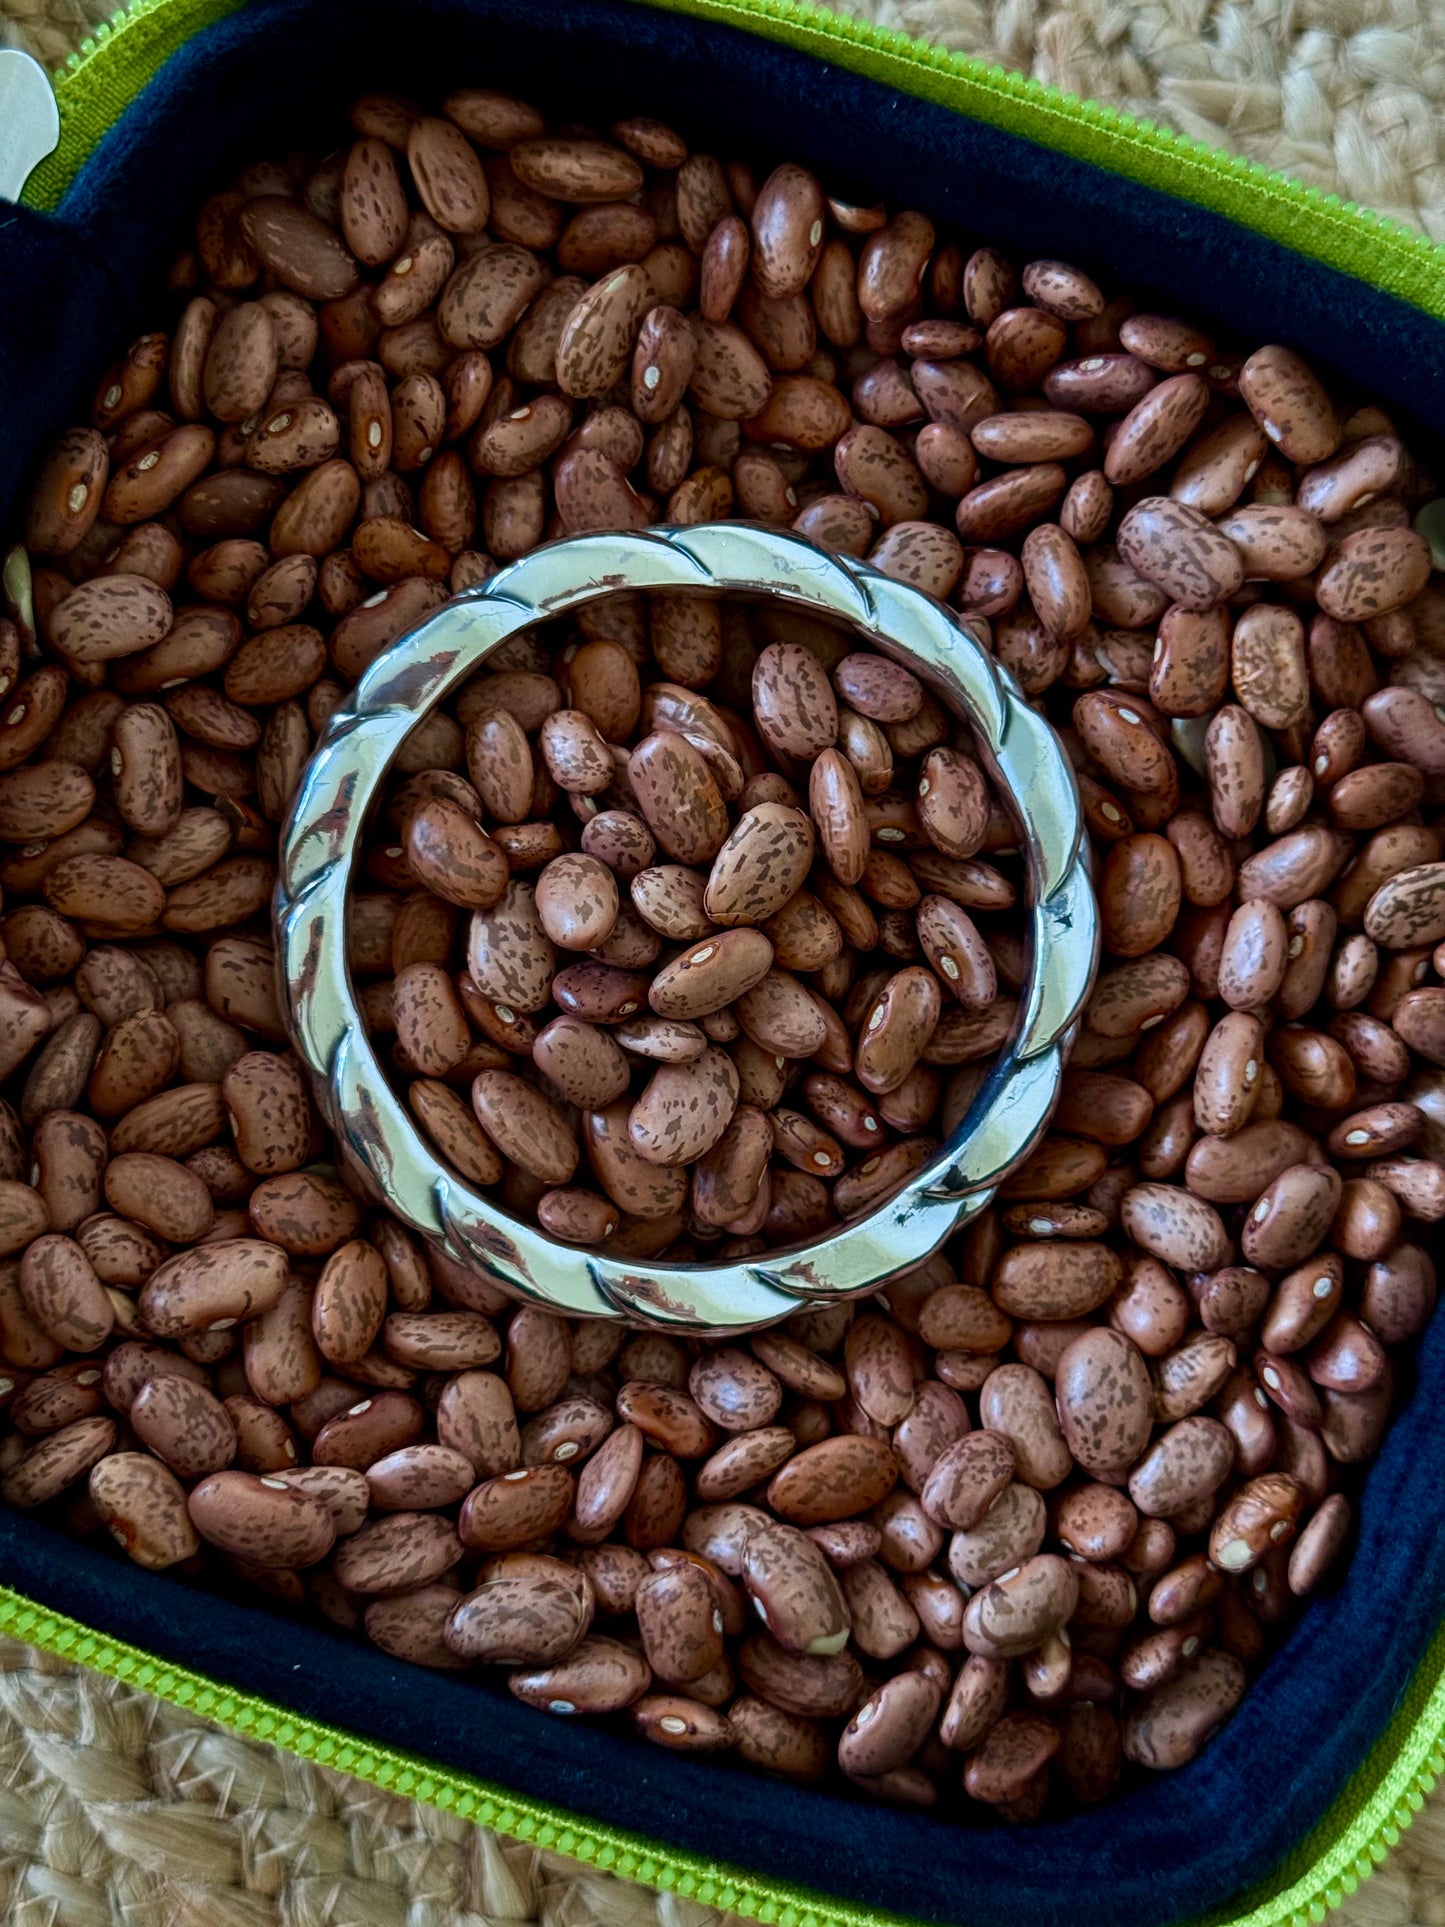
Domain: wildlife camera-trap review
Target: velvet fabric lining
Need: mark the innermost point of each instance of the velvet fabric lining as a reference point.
(77, 288)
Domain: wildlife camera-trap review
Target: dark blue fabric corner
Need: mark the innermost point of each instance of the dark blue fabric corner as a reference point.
(78, 286)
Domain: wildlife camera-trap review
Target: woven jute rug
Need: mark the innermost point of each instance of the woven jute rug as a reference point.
(116, 1808)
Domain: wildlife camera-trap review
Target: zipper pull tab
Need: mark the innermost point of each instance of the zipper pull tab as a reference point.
(29, 120)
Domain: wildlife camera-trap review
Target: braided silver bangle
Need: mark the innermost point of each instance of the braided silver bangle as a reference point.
(376, 1136)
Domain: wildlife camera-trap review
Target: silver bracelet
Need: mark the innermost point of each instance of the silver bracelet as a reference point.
(380, 1144)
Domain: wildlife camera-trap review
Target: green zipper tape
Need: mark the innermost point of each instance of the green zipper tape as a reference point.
(98, 83)
(1357, 1834)
(110, 69)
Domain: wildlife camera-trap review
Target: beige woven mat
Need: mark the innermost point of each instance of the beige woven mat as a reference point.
(116, 1808)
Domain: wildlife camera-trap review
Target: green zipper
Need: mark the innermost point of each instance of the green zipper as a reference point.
(1357, 1834)
(95, 87)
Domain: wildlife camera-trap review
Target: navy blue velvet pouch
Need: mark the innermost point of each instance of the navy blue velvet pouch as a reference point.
(1314, 1734)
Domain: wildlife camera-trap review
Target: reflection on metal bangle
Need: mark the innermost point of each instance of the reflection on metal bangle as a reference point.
(377, 1139)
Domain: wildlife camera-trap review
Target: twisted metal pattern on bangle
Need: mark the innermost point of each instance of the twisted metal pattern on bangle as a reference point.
(376, 1136)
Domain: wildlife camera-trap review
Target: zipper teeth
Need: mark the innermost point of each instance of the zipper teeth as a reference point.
(97, 37)
(1406, 1783)
(1419, 1757)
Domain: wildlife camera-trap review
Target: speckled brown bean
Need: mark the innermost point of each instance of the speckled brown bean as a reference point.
(214, 1287)
(1304, 1302)
(453, 856)
(146, 769)
(1057, 583)
(835, 1479)
(953, 803)
(1095, 1521)
(884, 1624)
(142, 1505)
(596, 343)
(1156, 428)
(1016, 1402)
(1180, 549)
(1291, 1216)
(778, 1742)
(1185, 1464)
(680, 1623)
(780, 1013)
(787, 226)
(184, 1424)
(967, 1478)
(736, 1391)
(681, 1724)
(516, 1509)
(1290, 405)
(349, 1302)
(509, 955)
(62, 1294)
(957, 952)
(411, 1625)
(1262, 1514)
(1398, 1294)
(1319, 1544)
(835, 802)
(419, 1477)
(161, 1194)
(440, 1341)
(729, 379)
(662, 364)
(744, 1461)
(1011, 1615)
(42, 1472)
(360, 1433)
(678, 797)
(268, 1111)
(891, 265)
(1409, 908)
(1267, 665)
(685, 1109)
(796, 710)
(396, 1553)
(67, 494)
(1105, 1403)
(1171, 1224)
(599, 1675)
(879, 1369)
(1010, 1531)
(499, 762)
(888, 1729)
(1190, 671)
(1167, 1728)
(897, 1029)
(1046, 1281)
(261, 1519)
(431, 1026)
(761, 866)
(527, 1610)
